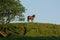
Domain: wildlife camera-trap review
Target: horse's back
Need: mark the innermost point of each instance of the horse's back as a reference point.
(30, 18)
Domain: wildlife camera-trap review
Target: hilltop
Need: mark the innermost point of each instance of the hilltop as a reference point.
(39, 29)
(34, 31)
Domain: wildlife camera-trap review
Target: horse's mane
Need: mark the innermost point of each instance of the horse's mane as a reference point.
(33, 15)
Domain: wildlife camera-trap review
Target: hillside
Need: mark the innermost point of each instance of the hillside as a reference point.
(39, 29)
(34, 31)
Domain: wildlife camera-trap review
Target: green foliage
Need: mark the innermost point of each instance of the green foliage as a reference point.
(16, 37)
(35, 31)
(10, 8)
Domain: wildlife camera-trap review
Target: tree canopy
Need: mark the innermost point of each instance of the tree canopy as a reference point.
(10, 8)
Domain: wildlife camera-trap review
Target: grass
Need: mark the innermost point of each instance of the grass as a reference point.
(13, 37)
(35, 31)
(39, 29)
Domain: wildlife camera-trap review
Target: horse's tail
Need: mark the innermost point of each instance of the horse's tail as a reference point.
(28, 18)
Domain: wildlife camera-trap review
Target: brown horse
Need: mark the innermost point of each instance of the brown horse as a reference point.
(30, 18)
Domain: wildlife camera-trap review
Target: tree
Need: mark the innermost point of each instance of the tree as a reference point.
(9, 9)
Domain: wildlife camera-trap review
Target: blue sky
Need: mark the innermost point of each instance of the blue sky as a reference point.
(46, 11)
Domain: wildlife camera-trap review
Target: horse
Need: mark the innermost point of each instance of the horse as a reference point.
(30, 18)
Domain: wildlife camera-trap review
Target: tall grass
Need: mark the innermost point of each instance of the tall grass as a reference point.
(35, 31)
(38, 29)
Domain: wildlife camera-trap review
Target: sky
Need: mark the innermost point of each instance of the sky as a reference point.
(46, 11)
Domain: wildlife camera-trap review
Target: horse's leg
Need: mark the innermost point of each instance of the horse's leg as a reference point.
(31, 20)
(27, 20)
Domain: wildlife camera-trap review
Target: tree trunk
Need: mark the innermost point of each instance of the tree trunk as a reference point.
(2, 22)
(7, 22)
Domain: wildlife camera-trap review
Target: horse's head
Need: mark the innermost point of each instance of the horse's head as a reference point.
(33, 15)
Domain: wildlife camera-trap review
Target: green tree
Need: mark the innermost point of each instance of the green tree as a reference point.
(9, 9)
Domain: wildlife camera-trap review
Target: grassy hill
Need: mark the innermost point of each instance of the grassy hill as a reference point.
(39, 29)
(34, 31)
